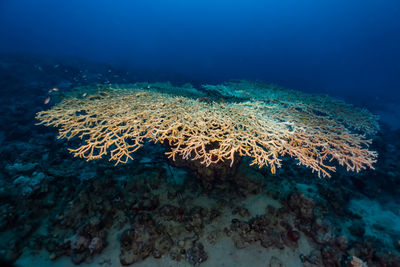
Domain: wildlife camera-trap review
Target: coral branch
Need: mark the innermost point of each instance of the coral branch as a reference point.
(262, 122)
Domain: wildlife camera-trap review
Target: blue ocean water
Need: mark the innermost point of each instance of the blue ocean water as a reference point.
(59, 210)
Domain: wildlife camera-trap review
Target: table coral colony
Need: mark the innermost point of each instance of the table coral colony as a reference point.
(217, 123)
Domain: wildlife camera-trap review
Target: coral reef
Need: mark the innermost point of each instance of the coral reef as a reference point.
(315, 130)
(60, 210)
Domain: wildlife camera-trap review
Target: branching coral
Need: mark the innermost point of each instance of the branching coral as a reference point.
(266, 125)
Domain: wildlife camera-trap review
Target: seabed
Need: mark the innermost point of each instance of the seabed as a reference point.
(59, 210)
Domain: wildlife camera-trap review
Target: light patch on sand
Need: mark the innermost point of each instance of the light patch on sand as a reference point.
(257, 204)
(224, 253)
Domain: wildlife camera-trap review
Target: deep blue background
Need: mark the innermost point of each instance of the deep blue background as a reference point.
(344, 48)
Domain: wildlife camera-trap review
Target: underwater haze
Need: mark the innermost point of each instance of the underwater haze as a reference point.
(200, 133)
(345, 48)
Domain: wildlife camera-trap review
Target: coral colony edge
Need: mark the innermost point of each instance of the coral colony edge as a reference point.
(212, 128)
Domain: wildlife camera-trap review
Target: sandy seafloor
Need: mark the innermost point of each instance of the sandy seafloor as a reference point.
(222, 253)
(47, 197)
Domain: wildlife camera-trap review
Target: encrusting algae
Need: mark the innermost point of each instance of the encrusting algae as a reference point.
(241, 118)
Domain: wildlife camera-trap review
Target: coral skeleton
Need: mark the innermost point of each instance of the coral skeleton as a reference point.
(215, 124)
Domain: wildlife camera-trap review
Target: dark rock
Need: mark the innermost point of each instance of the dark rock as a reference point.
(196, 254)
(149, 204)
(322, 232)
(241, 211)
(272, 239)
(10, 254)
(271, 210)
(163, 244)
(342, 242)
(302, 206)
(51, 245)
(78, 258)
(238, 241)
(214, 213)
(96, 245)
(275, 262)
(172, 213)
(357, 228)
(314, 258)
(260, 224)
(144, 238)
(331, 256)
(128, 257)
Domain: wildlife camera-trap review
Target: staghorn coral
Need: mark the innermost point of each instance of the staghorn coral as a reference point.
(264, 123)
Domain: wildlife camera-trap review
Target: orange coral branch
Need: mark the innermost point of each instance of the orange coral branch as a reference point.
(314, 130)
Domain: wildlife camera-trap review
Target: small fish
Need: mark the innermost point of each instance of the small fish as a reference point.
(46, 101)
(49, 91)
(84, 94)
(55, 89)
